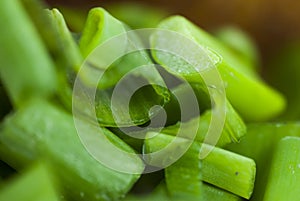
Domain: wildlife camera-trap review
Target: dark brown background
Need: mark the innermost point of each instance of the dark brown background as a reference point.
(272, 23)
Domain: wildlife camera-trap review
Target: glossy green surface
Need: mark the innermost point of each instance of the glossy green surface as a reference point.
(244, 88)
(42, 131)
(283, 183)
(224, 169)
(26, 69)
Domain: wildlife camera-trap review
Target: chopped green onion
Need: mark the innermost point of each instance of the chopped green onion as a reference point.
(217, 194)
(26, 68)
(255, 94)
(39, 130)
(284, 179)
(234, 127)
(224, 169)
(259, 144)
(183, 178)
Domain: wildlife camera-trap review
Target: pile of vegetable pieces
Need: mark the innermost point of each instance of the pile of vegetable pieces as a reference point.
(256, 157)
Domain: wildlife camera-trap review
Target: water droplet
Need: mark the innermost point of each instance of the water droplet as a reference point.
(292, 169)
(212, 86)
(225, 84)
(277, 125)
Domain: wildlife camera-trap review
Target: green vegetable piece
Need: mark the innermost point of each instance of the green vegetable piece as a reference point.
(128, 115)
(43, 25)
(183, 178)
(26, 69)
(209, 193)
(66, 51)
(100, 26)
(108, 48)
(56, 35)
(236, 76)
(136, 112)
(224, 169)
(229, 171)
(259, 144)
(68, 47)
(284, 176)
(138, 89)
(234, 127)
(217, 194)
(241, 45)
(42, 131)
(35, 184)
(60, 43)
(67, 54)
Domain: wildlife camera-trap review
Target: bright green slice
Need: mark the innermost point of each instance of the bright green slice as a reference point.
(100, 26)
(161, 193)
(66, 51)
(111, 68)
(221, 168)
(217, 194)
(130, 107)
(26, 69)
(198, 50)
(122, 112)
(185, 108)
(103, 43)
(69, 49)
(259, 143)
(43, 131)
(233, 128)
(229, 171)
(284, 179)
(183, 178)
(110, 47)
(60, 43)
